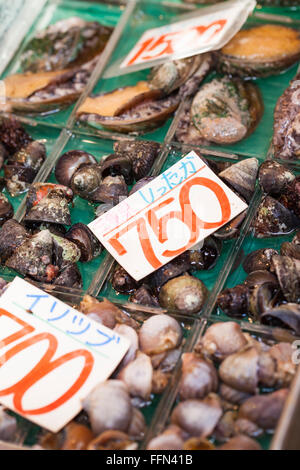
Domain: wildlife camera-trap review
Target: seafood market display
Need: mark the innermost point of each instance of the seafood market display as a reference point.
(232, 389)
(210, 363)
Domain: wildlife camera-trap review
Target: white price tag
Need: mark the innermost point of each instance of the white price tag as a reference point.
(206, 29)
(51, 355)
(172, 213)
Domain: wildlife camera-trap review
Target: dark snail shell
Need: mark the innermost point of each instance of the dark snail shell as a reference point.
(290, 249)
(174, 268)
(69, 163)
(184, 293)
(117, 164)
(13, 135)
(231, 230)
(48, 203)
(259, 260)
(122, 281)
(112, 189)
(285, 315)
(6, 209)
(291, 196)
(69, 277)
(260, 298)
(34, 257)
(86, 181)
(3, 154)
(274, 177)
(260, 277)
(287, 271)
(65, 252)
(234, 301)
(273, 218)
(141, 153)
(86, 241)
(205, 257)
(242, 176)
(140, 184)
(144, 296)
(12, 235)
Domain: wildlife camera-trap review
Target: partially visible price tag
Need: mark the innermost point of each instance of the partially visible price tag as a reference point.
(178, 209)
(51, 355)
(206, 29)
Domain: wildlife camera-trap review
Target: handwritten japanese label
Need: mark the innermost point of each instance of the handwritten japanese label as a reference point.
(208, 29)
(51, 355)
(178, 209)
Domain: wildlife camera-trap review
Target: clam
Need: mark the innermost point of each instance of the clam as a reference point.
(12, 235)
(184, 293)
(259, 260)
(69, 163)
(242, 176)
(234, 301)
(288, 273)
(221, 340)
(129, 109)
(68, 42)
(273, 218)
(264, 410)
(286, 123)
(285, 315)
(240, 442)
(198, 417)
(6, 209)
(199, 377)
(86, 241)
(274, 177)
(13, 135)
(260, 51)
(73, 436)
(159, 334)
(226, 110)
(108, 406)
(34, 257)
(142, 155)
(56, 65)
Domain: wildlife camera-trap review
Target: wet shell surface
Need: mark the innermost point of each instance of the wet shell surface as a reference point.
(260, 51)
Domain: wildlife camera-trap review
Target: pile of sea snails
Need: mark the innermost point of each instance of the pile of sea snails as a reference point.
(55, 66)
(232, 390)
(20, 157)
(270, 293)
(112, 417)
(173, 286)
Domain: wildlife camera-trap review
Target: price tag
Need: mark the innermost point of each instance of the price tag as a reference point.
(178, 209)
(51, 355)
(206, 29)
